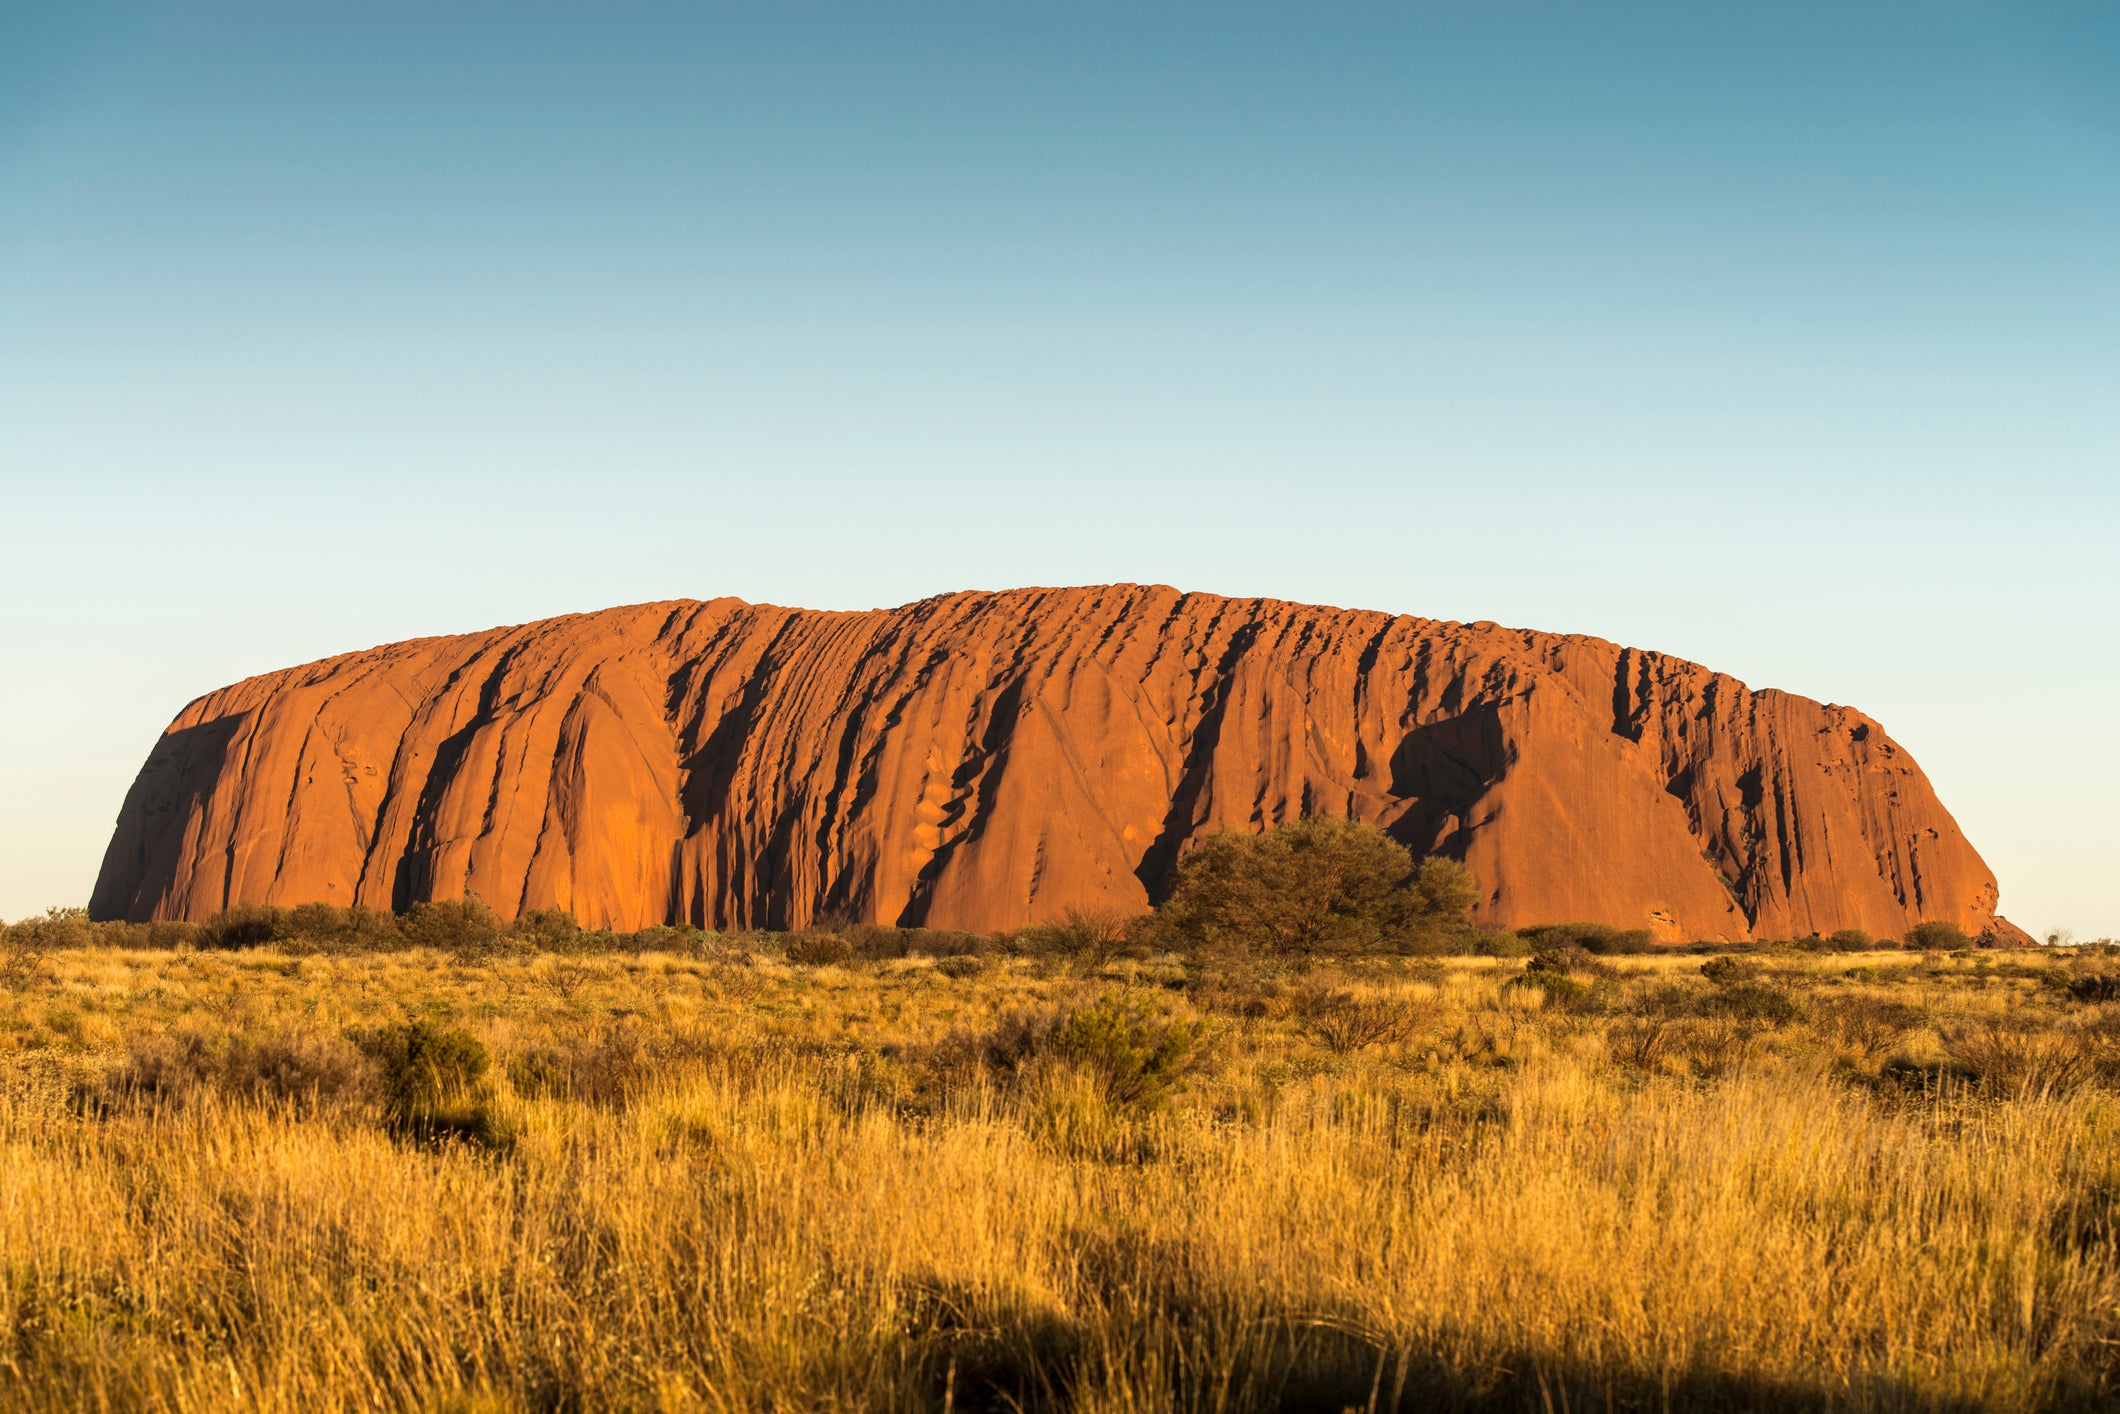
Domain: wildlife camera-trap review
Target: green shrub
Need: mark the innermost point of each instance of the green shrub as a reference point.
(551, 929)
(1937, 937)
(22, 952)
(1850, 940)
(1565, 974)
(1499, 943)
(1316, 884)
(431, 1078)
(1344, 1023)
(1137, 1054)
(1753, 1001)
(251, 925)
(1090, 937)
(1589, 937)
(1730, 971)
(463, 926)
(1559, 987)
(2097, 987)
(295, 1068)
(819, 950)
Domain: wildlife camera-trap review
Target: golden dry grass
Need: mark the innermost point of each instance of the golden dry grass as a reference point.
(793, 1188)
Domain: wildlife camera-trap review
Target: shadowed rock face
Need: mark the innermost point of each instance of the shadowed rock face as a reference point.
(984, 760)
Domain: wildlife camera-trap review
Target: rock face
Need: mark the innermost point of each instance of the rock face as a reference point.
(984, 760)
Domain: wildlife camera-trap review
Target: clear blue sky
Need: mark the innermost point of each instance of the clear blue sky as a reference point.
(1785, 337)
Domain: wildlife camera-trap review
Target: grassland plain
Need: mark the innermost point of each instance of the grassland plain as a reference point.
(715, 1178)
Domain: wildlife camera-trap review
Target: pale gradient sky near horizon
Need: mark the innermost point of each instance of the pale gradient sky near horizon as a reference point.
(1783, 337)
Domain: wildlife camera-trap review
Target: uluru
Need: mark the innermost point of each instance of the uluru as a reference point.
(985, 760)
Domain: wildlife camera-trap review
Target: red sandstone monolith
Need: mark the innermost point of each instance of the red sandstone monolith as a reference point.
(982, 761)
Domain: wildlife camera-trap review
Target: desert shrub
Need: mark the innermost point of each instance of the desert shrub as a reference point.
(1437, 912)
(1091, 937)
(1498, 942)
(354, 929)
(1566, 961)
(22, 954)
(250, 925)
(56, 929)
(611, 1070)
(1730, 971)
(1588, 937)
(1317, 884)
(163, 1066)
(1872, 1027)
(1137, 1055)
(1344, 1023)
(818, 950)
(550, 929)
(1753, 1001)
(297, 1068)
(1563, 974)
(1937, 937)
(2032, 1061)
(1641, 1041)
(961, 965)
(1849, 940)
(876, 942)
(2097, 987)
(430, 1082)
(1017, 1039)
(462, 926)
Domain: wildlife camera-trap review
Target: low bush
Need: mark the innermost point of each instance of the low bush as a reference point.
(1937, 937)
(1588, 937)
(1730, 971)
(1138, 1055)
(431, 1083)
(22, 954)
(818, 950)
(1563, 974)
(551, 929)
(1091, 937)
(1753, 1001)
(2097, 987)
(464, 927)
(612, 1070)
(1319, 884)
(1344, 1023)
(296, 1068)
(248, 926)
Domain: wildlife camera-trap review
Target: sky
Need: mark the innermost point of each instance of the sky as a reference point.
(1782, 337)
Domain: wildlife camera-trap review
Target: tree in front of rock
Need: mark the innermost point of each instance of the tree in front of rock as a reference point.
(1318, 884)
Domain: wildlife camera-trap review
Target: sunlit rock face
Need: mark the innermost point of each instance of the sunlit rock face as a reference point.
(981, 761)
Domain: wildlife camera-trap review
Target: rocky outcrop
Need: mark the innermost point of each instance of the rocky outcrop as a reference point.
(983, 760)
